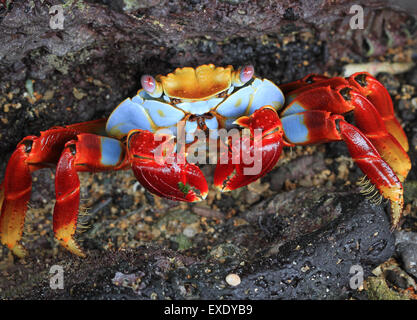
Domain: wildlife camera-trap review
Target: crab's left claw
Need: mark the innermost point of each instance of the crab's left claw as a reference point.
(162, 171)
(250, 156)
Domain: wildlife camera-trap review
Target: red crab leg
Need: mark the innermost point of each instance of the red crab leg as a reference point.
(370, 123)
(366, 85)
(263, 153)
(172, 177)
(308, 79)
(378, 171)
(16, 189)
(320, 126)
(380, 98)
(342, 99)
(88, 153)
(32, 153)
(317, 97)
(330, 83)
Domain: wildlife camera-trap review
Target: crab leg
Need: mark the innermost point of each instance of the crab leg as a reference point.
(340, 99)
(378, 171)
(366, 84)
(15, 191)
(171, 177)
(31, 154)
(264, 150)
(369, 121)
(90, 153)
(320, 126)
(380, 98)
(295, 85)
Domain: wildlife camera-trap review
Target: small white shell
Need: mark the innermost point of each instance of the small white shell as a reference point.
(233, 279)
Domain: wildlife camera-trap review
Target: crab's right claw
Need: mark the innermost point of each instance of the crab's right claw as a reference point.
(250, 157)
(162, 171)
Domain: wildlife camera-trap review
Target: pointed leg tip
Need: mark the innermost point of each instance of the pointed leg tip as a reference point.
(227, 189)
(72, 247)
(203, 195)
(222, 187)
(396, 214)
(19, 251)
(14, 246)
(197, 197)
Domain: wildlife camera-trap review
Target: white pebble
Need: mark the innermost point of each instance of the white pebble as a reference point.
(233, 279)
(189, 232)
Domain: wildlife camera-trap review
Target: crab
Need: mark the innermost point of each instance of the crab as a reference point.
(154, 134)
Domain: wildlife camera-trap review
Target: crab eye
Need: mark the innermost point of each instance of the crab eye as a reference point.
(148, 83)
(151, 86)
(243, 75)
(246, 73)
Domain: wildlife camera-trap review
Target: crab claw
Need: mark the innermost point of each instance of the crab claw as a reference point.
(169, 176)
(250, 156)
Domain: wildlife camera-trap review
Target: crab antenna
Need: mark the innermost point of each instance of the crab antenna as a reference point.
(151, 86)
(242, 75)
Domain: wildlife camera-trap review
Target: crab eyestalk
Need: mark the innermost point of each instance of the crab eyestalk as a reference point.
(242, 75)
(151, 86)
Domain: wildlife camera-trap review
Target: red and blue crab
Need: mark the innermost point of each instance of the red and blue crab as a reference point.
(208, 99)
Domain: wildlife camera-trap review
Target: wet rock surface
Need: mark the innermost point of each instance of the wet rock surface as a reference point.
(406, 243)
(293, 235)
(290, 252)
(52, 77)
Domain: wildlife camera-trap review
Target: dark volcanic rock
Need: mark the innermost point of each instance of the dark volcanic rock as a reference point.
(105, 46)
(285, 252)
(298, 244)
(317, 265)
(406, 244)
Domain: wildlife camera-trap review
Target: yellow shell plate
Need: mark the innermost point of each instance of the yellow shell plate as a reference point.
(200, 83)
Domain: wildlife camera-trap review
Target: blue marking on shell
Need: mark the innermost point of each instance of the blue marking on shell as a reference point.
(229, 123)
(173, 129)
(111, 151)
(212, 123)
(140, 113)
(144, 95)
(190, 126)
(166, 98)
(294, 128)
(163, 114)
(236, 104)
(250, 98)
(293, 108)
(199, 107)
(127, 116)
(266, 93)
(138, 99)
(214, 134)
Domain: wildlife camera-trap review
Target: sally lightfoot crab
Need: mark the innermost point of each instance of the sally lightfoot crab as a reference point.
(165, 117)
